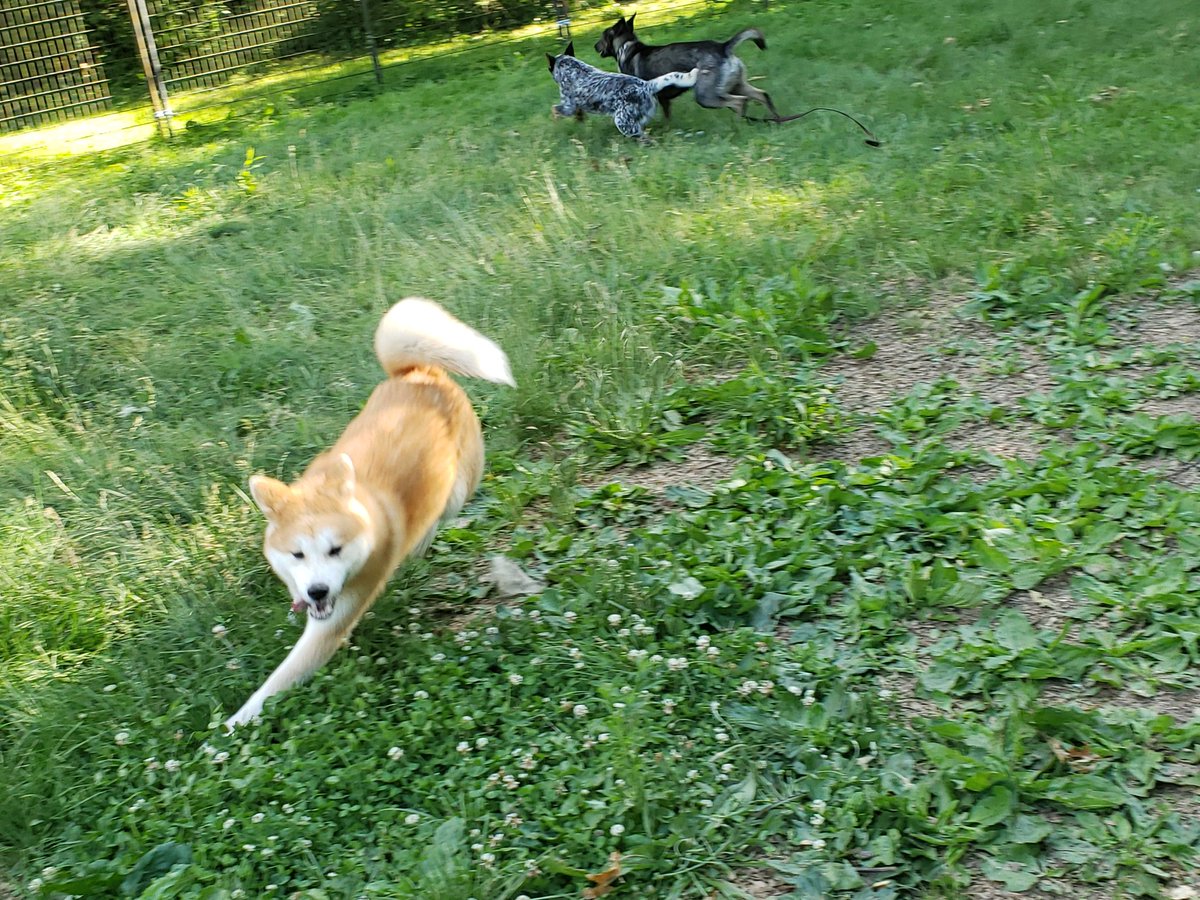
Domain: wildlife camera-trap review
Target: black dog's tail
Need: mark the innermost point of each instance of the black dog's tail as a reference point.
(746, 34)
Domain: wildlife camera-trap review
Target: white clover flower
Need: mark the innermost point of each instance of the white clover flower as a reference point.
(614, 619)
(414, 610)
(421, 695)
(121, 738)
(395, 753)
(819, 805)
(636, 654)
(438, 657)
(475, 848)
(617, 830)
(677, 663)
(304, 842)
(516, 612)
(172, 765)
(496, 839)
(706, 802)
(580, 710)
(809, 698)
(668, 706)
(35, 885)
(249, 848)
(817, 820)
(463, 747)
(602, 736)
(703, 641)
(412, 819)
(721, 737)
(220, 757)
(257, 817)
(818, 844)
(575, 653)
(727, 767)
(427, 636)
(151, 763)
(570, 616)
(515, 678)
(491, 630)
(488, 859)
(747, 687)
(535, 614)
(109, 688)
(795, 690)
(692, 774)
(480, 743)
(219, 630)
(713, 651)
(228, 823)
(656, 658)
(765, 687)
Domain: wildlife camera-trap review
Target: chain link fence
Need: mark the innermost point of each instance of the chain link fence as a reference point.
(49, 70)
(176, 63)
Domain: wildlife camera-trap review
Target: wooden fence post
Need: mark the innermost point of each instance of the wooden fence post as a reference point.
(371, 41)
(143, 31)
(564, 19)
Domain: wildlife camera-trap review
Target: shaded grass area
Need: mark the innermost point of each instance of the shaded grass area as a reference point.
(181, 316)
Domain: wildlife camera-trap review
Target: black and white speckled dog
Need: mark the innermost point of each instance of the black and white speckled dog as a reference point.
(629, 100)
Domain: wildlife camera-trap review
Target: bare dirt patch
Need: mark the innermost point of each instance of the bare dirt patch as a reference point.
(1015, 440)
(702, 469)
(1164, 323)
(760, 884)
(913, 347)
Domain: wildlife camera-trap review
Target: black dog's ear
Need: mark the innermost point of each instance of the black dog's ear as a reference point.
(570, 51)
(630, 22)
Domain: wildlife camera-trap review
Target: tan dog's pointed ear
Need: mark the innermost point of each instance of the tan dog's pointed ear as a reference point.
(270, 495)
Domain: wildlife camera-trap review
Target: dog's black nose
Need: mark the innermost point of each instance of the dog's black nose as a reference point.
(318, 592)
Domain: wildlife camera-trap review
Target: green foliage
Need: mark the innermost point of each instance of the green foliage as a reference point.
(878, 673)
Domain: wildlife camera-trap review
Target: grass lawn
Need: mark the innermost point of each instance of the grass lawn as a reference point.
(862, 483)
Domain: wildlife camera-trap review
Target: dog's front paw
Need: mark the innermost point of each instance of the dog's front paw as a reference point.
(243, 716)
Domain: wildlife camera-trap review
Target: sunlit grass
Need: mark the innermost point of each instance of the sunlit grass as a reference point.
(180, 314)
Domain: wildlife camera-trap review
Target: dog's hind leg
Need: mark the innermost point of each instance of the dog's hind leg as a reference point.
(750, 92)
(630, 124)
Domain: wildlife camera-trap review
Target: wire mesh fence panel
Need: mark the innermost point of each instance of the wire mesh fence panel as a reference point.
(49, 70)
(205, 44)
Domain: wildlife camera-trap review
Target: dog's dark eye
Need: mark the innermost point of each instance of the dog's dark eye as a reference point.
(335, 551)
(298, 554)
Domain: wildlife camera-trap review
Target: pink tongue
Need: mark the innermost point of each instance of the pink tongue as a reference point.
(298, 606)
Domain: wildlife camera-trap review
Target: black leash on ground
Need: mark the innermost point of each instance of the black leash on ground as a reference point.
(871, 140)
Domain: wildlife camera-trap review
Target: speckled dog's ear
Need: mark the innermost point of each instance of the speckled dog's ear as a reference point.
(570, 51)
(550, 58)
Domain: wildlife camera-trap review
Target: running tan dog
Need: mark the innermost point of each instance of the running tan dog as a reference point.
(411, 458)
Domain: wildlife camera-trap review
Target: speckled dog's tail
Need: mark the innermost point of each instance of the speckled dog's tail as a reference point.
(673, 79)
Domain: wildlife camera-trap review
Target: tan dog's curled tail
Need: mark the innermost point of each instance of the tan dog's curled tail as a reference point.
(418, 332)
